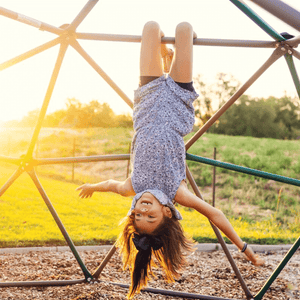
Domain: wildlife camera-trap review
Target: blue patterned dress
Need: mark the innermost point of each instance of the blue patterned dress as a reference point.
(163, 114)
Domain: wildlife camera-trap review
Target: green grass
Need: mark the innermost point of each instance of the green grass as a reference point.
(26, 221)
(261, 211)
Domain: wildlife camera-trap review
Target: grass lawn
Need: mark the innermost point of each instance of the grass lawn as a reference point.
(26, 221)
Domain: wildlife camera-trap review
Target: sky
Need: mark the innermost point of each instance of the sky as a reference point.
(24, 85)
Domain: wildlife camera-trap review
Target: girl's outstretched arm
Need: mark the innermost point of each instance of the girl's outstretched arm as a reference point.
(123, 188)
(186, 198)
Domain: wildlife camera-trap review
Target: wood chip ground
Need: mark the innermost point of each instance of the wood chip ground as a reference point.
(206, 274)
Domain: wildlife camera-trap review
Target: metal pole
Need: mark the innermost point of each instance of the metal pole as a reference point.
(106, 259)
(221, 240)
(63, 49)
(81, 16)
(171, 40)
(30, 21)
(291, 65)
(82, 159)
(274, 57)
(214, 180)
(30, 53)
(258, 20)
(11, 180)
(54, 214)
(81, 51)
(279, 268)
(241, 169)
(41, 283)
(282, 11)
(171, 293)
(73, 164)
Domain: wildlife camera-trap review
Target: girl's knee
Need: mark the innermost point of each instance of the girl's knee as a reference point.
(184, 28)
(151, 26)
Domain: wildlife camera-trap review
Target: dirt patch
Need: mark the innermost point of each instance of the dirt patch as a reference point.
(206, 274)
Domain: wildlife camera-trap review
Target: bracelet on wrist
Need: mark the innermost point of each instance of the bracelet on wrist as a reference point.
(244, 248)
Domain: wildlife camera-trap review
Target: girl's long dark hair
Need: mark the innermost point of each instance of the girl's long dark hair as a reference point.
(171, 256)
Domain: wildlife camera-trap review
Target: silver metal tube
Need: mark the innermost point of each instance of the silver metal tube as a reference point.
(274, 57)
(171, 40)
(282, 11)
(82, 159)
(97, 68)
(41, 283)
(30, 21)
(83, 13)
(29, 53)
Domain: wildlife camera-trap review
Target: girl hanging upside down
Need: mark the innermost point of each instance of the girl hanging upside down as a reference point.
(163, 114)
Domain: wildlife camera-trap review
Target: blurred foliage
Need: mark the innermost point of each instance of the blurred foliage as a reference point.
(258, 117)
(78, 115)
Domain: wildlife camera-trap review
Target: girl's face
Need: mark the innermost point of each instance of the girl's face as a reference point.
(149, 213)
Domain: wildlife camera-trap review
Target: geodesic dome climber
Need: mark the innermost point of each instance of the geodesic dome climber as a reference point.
(283, 45)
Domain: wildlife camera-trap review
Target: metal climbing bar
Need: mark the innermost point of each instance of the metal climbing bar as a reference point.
(291, 65)
(30, 53)
(258, 20)
(68, 35)
(30, 21)
(241, 169)
(282, 11)
(171, 40)
(274, 57)
(60, 225)
(279, 268)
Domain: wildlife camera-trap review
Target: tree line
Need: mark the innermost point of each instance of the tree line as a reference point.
(258, 117)
(79, 115)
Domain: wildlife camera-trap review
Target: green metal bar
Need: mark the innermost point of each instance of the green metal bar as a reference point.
(279, 268)
(258, 20)
(54, 214)
(240, 169)
(220, 238)
(290, 62)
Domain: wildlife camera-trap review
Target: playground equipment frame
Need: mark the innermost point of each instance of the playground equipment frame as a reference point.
(67, 35)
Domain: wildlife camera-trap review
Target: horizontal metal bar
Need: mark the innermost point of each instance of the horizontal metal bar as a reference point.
(11, 160)
(241, 169)
(171, 40)
(30, 21)
(170, 292)
(80, 159)
(41, 283)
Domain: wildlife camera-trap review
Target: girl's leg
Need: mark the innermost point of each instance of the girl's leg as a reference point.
(150, 57)
(182, 66)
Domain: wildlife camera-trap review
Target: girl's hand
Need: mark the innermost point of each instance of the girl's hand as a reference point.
(86, 190)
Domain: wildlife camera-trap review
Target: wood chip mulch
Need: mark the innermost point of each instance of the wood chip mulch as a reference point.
(206, 274)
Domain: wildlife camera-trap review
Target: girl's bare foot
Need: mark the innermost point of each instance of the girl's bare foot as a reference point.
(254, 258)
(167, 58)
